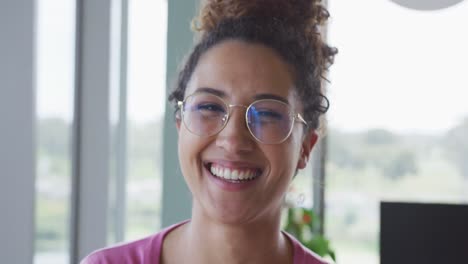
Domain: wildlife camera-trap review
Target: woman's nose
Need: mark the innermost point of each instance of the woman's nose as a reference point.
(235, 138)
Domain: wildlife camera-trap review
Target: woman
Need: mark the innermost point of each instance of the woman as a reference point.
(248, 103)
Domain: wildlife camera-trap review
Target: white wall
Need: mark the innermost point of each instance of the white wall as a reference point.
(176, 196)
(17, 138)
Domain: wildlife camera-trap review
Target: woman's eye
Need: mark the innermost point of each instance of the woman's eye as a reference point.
(210, 108)
(269, 115)
(267, 118)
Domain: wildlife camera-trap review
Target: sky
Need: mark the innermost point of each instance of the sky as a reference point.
(397, 69)
(55, 45)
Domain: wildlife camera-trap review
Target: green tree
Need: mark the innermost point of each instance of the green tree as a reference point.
(380, 137)
(402, 164)
(457, 146)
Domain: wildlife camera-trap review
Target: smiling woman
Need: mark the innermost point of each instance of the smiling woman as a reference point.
(222, 198)
(248, 104)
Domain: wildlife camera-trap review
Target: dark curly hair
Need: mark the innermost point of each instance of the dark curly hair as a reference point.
(290, 27)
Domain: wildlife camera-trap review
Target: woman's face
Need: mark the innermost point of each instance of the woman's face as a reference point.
(241, 73)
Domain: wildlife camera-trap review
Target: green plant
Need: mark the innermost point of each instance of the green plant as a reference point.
(303, 224)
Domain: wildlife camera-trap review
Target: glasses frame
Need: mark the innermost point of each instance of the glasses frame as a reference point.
(296, 117)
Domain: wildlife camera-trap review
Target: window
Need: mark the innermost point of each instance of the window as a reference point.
(146, 102)
(137, 118)
(398, 114)
(55, 42)
(137, 99)
(73, 97)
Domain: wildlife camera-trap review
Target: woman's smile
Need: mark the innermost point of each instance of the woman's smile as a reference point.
(232, 176)
(234, 171)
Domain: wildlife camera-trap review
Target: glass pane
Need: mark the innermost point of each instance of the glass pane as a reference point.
(136, 193)
(146, 102)
(55, 42)
(399, 116)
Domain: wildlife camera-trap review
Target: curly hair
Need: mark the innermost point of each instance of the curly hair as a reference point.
(290, 27)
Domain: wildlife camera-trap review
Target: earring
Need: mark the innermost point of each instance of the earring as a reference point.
(292, 199)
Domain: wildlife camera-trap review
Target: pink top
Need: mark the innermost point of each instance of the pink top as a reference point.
(148, 251)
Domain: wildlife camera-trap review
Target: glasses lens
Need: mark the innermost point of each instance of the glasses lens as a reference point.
(270, 121)
(204, 114)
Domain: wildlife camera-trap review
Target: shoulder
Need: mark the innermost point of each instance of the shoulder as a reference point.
(303, 255)
(145, 250)
(139, 251)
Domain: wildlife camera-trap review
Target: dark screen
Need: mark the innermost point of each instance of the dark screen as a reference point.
(419, 233)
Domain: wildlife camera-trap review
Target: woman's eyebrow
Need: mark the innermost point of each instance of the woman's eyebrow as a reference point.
(256, 97)
(271, 96)
(211, 91)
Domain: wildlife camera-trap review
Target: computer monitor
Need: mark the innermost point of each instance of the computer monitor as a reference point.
(423, 233)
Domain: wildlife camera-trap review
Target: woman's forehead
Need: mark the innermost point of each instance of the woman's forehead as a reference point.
(240, 69)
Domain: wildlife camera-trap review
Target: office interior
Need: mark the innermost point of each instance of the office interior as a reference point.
(88, 145)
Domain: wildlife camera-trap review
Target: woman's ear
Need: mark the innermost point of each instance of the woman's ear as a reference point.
(178, 120)
(308, 144)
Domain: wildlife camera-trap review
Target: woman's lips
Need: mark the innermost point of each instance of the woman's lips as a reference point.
(234, 173)
(233, 176)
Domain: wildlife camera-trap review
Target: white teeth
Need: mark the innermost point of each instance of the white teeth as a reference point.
(242, 175)
(226, 174)
(233, 174)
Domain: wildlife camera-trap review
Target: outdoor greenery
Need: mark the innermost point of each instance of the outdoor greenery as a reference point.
(367, 167)
(304, 224)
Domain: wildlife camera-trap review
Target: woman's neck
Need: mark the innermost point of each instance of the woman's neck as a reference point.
(205, 240)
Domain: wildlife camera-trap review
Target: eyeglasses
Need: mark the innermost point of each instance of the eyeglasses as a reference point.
(269, 121)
